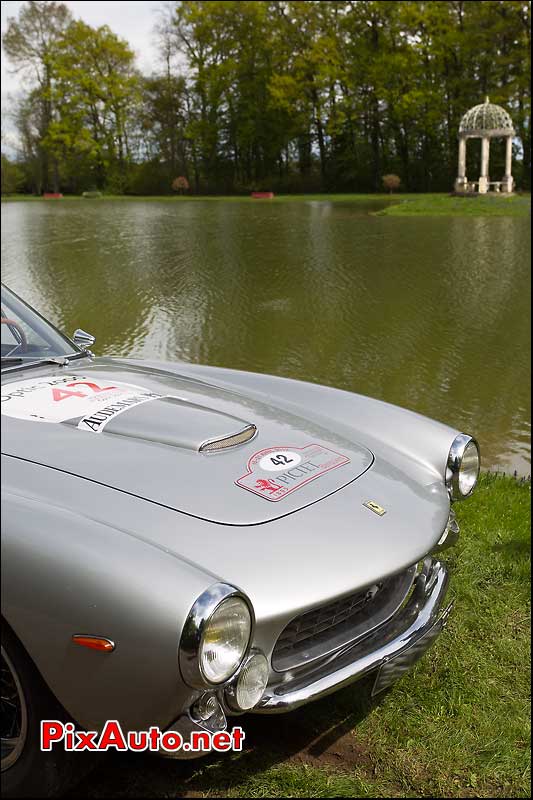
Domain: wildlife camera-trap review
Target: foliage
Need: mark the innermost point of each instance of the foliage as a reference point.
(30, 42)
(292, 95)
(12, 176)
(180, 184)
(391, 182)
(95, 94)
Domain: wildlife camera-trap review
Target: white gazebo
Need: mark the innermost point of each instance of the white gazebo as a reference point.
(486, 121)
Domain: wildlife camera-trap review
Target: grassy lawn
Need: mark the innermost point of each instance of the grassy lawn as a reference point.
(176, 198)
(447, 205)
(456, 726)
(397, 204)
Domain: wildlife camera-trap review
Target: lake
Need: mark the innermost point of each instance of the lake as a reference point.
(429, 313)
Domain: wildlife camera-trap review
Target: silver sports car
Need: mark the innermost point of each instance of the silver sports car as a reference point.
(182, 544)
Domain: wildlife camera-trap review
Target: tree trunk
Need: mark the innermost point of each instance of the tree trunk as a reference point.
(320, 137)
(56, 176)
(374, 140)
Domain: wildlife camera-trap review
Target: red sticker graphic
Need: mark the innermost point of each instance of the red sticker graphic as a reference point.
(276, 472)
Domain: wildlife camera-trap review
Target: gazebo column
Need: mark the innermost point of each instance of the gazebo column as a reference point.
(484, 177)
(508, 182)
(461, 180)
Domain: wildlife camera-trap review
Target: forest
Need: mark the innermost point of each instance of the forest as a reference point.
(279, 96)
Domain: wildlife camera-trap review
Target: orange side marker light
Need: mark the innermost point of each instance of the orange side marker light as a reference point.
(94, 642)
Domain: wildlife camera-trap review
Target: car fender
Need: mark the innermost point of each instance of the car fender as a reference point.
(64, 573)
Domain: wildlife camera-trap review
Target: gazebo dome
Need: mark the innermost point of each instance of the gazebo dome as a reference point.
(486, 119)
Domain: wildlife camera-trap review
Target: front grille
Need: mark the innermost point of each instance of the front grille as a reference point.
(313, 623)
(322, 630)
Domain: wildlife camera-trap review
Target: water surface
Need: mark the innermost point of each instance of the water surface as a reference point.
(430, 313)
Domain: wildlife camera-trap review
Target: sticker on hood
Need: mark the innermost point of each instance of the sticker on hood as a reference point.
(87, 403)
(276, 472)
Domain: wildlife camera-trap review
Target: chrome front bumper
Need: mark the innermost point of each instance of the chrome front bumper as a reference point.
(392, 649)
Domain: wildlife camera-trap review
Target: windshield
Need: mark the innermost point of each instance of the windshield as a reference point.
(26, 336)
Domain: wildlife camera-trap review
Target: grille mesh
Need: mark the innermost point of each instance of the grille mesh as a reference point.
(230, 441)
(313, 623)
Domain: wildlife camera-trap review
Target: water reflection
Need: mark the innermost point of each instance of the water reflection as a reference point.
(431, 314)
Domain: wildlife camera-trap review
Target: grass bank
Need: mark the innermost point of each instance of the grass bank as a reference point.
(457, 726)
(429, 205)
(191, 198)
(395, 205)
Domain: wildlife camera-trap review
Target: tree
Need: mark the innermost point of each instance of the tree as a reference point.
(96, 94)
(164, 120)
(30, 43)
(27, 118)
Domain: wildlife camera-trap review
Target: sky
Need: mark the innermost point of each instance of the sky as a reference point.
(131, 19)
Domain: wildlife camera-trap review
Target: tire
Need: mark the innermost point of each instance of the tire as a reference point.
(26, 700)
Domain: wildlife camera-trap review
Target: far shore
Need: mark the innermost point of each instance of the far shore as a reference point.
(400, 204)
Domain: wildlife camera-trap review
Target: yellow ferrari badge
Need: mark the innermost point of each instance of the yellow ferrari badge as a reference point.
(375, 507)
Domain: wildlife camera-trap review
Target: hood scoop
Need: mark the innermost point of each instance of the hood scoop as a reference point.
(246, 435)
(180, 423)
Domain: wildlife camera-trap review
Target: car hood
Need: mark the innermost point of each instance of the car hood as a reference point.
(177, 441)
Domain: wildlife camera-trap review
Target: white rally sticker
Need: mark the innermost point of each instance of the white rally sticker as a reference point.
(294, 467)
(90, 403)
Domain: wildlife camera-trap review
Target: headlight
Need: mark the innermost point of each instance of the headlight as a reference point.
(225, 640)
(463, 467)
(249, 687)
(215, 637)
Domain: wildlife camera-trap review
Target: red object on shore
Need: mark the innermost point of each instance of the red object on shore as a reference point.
(52, 195)
(263, 195)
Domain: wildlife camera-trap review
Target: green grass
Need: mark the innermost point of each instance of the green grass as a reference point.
(450, 206)
(279, 198)
(431, 204)
(458, 725)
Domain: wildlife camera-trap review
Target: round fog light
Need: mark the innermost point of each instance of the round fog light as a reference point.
(251, 683)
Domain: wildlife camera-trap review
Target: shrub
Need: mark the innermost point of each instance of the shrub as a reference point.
(180, 184)
(391, 182)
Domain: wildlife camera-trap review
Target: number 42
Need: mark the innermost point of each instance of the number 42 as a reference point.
(63, 394)
(280, 459)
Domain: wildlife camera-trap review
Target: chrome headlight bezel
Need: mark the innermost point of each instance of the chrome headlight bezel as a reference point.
(455, 461)
(189, 652)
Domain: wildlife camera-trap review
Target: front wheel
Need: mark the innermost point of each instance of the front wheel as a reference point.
(27, 771)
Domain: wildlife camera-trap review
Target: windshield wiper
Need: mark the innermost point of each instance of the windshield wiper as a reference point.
(7, 360)
(59, 361)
